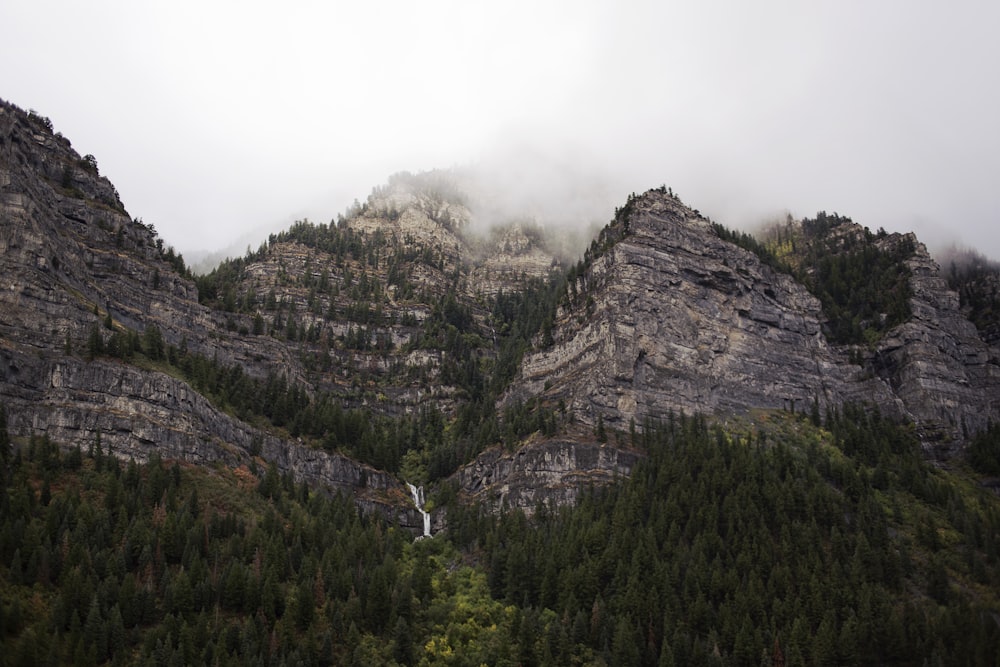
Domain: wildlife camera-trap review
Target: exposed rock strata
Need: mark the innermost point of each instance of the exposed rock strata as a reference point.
(510, 255)
(553, 471)
(136, 413)
(72, 258)
(70, 255)
(67, 248)
(681, 320)
(665, 316)
(670, 317)
(945, 375)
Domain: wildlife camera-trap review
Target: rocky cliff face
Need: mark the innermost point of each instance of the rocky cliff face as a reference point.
(670, 317)
(945, 375)
(667, 316)
(510, 255)
(71, 258)
(389, 309)
(543, 471)
(349, 320)
(370, 303)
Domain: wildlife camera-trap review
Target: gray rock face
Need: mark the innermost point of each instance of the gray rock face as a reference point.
(665, 316)
(70, 255)
(508, 257)
(68, 248)
(542, 472)
(72, 258)
(671, 317)
(681, 320)
(139, 412)
(944, 374)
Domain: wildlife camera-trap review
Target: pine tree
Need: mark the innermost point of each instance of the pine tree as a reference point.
(95, 636)
(624, 646)
(4, 436)
(602, 435)
(402, 650)
(95, 343)
(152, 342)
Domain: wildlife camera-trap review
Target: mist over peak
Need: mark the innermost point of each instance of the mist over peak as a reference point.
(563, 198)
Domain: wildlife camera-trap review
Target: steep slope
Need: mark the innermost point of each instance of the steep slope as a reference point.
(887, 304)
(544, 472)
(664, 315)
(365, 337)
(382, 345)
(404, 317)
(389, 307)
(936, 363)
(977, 281)
(83, 283)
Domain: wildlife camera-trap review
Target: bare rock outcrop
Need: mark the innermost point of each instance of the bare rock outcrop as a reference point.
(937, 364)
(545, 472)
(670, 317)
(509, 256)
(72, 259)
(135, 413)
(388, 309)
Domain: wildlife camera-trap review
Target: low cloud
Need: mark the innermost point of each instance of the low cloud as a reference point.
(881, 111)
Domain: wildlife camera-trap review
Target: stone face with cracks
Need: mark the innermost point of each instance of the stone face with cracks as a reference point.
(679, 319)
(945, 374)
(71, 258)
(139, 412)
(543, 471)
(682, 320)
(68, 249)
(669, 317)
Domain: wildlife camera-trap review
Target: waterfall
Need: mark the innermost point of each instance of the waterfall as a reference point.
(418, 499)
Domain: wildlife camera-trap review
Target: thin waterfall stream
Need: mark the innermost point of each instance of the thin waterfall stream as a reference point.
(417, 492)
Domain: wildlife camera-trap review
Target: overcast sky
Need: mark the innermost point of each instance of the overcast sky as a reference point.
(218, 119)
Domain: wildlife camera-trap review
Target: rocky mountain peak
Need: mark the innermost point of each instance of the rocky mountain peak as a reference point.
(102, 337)
(419, 211)
(409, 337)
(668, 316)
(665, 315)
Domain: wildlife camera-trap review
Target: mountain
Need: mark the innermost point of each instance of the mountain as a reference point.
(665, 313)
(403, 338)
(688, 446)
(86, 288)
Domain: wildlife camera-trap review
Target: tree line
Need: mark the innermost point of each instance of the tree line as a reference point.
(860, 278)
(823, 546)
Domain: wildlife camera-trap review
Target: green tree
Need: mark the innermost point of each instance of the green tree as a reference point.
(5, 448)
(95, 635)
(95, 343)
(625, 644)
(152, 342)
(937, 580)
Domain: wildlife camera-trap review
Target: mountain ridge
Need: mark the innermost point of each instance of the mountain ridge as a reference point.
(390, 343)
(671, 314)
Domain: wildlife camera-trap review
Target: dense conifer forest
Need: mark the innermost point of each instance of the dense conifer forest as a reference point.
(977, 281)
(815, 539)
(861, 281)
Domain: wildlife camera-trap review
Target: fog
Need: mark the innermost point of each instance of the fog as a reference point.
(219, 122)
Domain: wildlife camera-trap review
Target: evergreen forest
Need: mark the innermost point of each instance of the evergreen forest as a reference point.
(860, 277)
(795, 539)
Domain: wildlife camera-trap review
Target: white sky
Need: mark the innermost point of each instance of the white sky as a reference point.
(217, 119)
